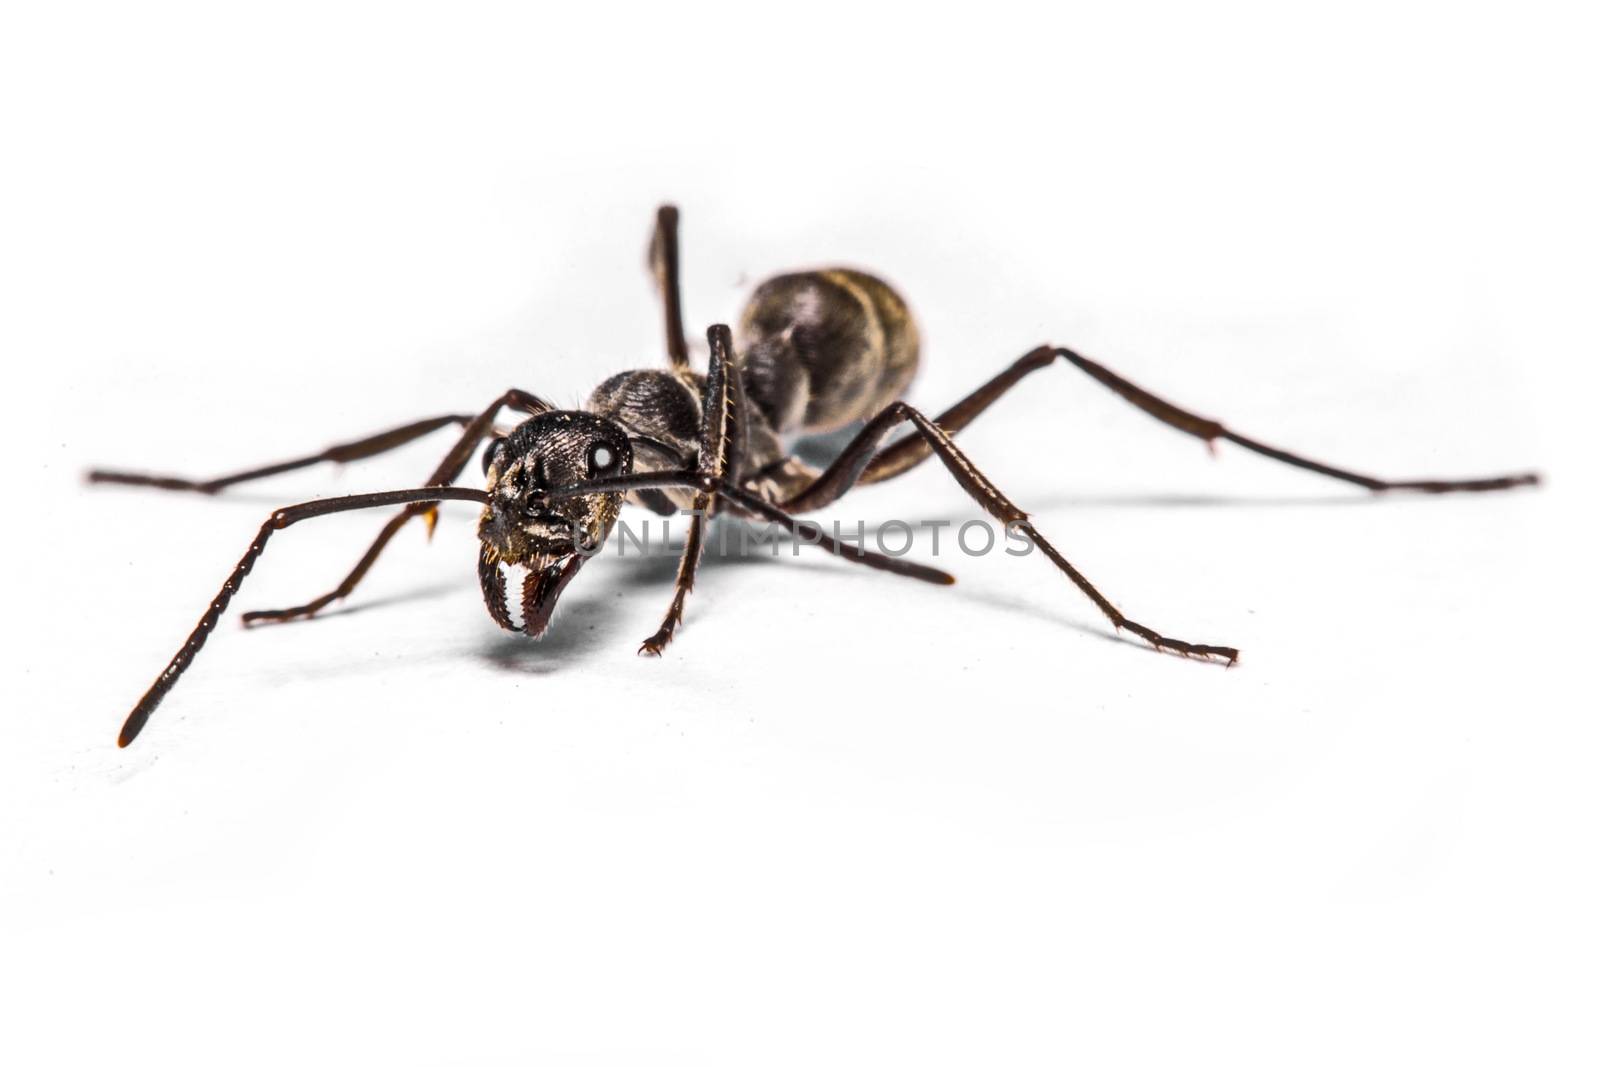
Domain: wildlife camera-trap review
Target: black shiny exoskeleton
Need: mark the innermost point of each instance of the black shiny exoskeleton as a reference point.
(817, 351)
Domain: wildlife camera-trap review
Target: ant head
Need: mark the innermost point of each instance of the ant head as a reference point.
(550, 536)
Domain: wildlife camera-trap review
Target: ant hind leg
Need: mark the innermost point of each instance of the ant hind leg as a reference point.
(902, 456)
(846, 472)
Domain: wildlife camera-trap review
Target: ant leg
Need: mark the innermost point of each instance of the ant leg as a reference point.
(449, 470)
(345, 453)
(280, 519)
(694, 547)
(718, 410)
(810, 532)
(719, 428)
(688, 567)
(663, 262)
(846, 472)
(1209, 431)
(903, 455)
(745, 502)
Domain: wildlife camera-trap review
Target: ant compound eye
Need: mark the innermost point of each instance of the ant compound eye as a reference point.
(602, 458)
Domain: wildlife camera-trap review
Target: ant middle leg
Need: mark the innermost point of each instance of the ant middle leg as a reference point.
(846, 472)
(663, 262)
(721, 406)
(753, 506)
(903, 455)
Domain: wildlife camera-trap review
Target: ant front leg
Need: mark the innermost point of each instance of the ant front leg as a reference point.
(846, 471)
(717, 415)
(345, 453)
(449, 469)
(903, 455)
(279, 520)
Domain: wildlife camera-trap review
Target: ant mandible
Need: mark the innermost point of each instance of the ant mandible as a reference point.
(818, 351)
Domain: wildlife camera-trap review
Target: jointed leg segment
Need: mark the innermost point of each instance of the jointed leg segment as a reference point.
(664, 263)
(280, 519)
(345, 453)
(904, 455)
(449, 469)
(810, 532)
(475, 428)
(1209, 431)
(846, 471)
(716, 421)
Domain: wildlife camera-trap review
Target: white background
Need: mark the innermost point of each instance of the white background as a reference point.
(848, 818)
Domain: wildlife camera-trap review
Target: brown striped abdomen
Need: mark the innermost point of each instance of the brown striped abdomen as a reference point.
(822, 349)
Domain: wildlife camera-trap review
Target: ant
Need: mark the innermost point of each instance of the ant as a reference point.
(818, 351)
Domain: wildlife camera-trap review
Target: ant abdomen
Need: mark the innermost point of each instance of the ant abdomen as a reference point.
(820, 350)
